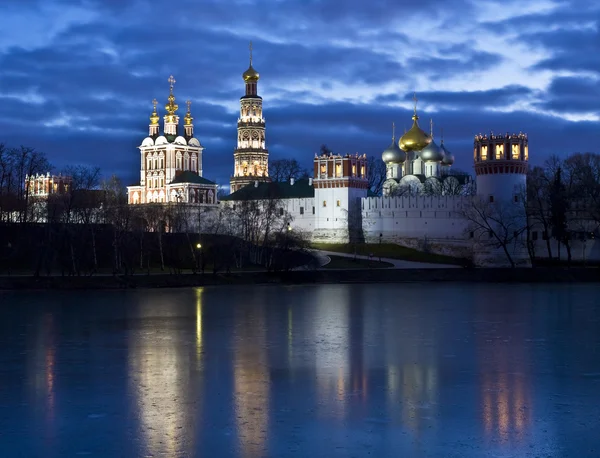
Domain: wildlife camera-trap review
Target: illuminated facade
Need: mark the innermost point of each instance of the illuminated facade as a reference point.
(415, 159)
(171, 163)
(251, 157)
(46, 185)
(501, 164)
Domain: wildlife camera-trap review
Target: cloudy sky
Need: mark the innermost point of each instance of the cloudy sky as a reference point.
(77, 77)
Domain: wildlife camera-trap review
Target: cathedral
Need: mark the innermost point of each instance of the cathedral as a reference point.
(417, 160)
(171, 162)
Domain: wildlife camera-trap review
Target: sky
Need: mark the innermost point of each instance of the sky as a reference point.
(77, 77)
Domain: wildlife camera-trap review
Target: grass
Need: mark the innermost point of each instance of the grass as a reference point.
(389, 250)
(341, 262)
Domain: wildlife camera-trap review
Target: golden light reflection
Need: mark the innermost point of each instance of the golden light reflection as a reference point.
(199, 292)
(251, 382)
(160, 378)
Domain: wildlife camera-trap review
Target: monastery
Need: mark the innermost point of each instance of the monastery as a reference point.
(335, 204)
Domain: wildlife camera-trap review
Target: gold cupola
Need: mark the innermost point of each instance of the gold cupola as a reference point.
(251, 75)
(171, 106)
(188, 116)
(415, 139)
(154, 118)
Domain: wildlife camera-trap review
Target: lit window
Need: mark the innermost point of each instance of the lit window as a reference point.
(338, 170)
(323, 168)
(526, 152)
(515, 151)
(338, 203)
(354, 170)
(324, 203)
(499, 151)
(484, 152)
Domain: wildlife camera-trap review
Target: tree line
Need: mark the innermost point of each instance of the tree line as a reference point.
(560, 204)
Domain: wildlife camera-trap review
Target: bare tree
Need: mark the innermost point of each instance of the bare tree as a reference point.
(496, 225)
(286, 169)
(376, 174)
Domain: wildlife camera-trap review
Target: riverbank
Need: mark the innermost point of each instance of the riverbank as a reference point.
(545, 275)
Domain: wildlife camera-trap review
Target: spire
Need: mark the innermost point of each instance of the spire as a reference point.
(250, 47)
(415, 117)
(393, 132)
(171, 107)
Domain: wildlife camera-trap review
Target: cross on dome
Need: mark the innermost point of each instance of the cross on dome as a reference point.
(250, 47)
(189, 104)
(171, 82)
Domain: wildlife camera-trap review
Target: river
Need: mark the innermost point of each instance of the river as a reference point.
(347, 370)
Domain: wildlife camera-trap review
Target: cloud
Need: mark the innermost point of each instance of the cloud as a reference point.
(77, 76)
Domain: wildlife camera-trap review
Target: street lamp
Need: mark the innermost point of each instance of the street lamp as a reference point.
(198, 245)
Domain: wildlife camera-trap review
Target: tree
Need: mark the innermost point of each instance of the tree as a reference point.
(286, 169)
(376, 174)
(495, 225)
(558, 208)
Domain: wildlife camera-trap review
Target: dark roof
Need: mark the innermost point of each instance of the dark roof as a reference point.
(371, 193)
(191, 177)
(275, 190)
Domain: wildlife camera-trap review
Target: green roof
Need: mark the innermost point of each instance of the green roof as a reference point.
(275, 190)
(191, 177)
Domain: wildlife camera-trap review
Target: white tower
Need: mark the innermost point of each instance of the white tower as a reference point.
(251, 157)
(501, 163)
(340, 182)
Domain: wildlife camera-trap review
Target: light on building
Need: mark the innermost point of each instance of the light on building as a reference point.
(198, 245)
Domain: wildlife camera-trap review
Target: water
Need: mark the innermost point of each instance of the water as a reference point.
(412, 370)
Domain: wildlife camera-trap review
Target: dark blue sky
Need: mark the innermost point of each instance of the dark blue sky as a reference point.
(77, 76)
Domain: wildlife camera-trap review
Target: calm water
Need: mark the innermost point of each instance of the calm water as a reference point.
(307, 371)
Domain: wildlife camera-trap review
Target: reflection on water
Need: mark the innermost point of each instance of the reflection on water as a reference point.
(505, 389)
(251, 381)
(160, 376)
(330, 328)
(384, 370)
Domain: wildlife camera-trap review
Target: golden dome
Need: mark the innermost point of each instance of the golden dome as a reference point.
(251, 75)
(188, 116)
(415, 139)
(154, 118)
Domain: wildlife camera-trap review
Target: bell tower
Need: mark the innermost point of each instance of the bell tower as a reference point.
(251, 157)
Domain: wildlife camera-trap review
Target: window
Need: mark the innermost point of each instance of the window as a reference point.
(484, 153)
(338, 203)
(544, 235)
(534, 235)
(302, 210)
(353, 170)
(516, 198)
(515, 151)
(499, 151)
(338, 170)
(491, 199)
(324, 203)
(313, 210)
(281, 212)
(323, 169)
(471, 234)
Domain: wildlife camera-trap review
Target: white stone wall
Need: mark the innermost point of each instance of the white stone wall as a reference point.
(414, 217)
(301, 211)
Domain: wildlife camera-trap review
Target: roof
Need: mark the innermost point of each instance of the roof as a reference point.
(274, 190)
(191, 177)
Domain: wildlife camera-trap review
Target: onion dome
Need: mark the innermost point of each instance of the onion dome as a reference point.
(415, 139)
(250, 75)
(171, 106)
(431, 153)
(154, 118)
(188, 116)
(393, 154)
(448, 156)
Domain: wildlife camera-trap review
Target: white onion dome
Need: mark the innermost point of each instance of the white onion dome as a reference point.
(448, 156)
(393, 154)
(431, 153)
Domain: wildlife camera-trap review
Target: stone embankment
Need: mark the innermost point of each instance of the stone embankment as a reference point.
(500, 275)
